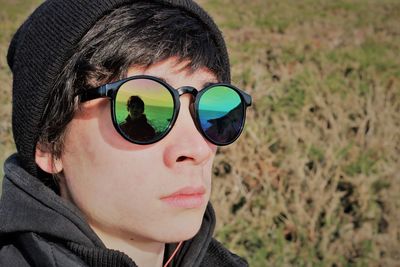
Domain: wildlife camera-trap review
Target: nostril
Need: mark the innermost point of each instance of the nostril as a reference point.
(181, 158)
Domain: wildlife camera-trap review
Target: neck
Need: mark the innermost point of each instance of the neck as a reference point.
(144, 253)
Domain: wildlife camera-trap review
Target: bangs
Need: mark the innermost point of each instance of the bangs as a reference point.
(144, 34)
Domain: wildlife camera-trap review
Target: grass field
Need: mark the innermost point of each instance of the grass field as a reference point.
(315, 178)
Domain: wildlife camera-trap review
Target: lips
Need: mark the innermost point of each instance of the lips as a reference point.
(187, 197)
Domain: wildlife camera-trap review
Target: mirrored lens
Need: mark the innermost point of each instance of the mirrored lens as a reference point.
(143, 109)
(221, 114)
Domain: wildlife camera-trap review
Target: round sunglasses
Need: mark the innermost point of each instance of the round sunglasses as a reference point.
(144, 109)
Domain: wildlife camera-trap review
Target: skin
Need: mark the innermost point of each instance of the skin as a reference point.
(118, 185)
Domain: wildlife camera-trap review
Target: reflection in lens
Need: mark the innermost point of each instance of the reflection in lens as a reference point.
(143, 109)
(221, 114)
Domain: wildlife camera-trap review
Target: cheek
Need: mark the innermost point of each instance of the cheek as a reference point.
(84, 145)
(95, 168)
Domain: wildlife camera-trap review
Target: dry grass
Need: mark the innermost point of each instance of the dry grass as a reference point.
(315, 178)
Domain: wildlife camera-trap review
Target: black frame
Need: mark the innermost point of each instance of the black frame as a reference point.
(110, 91)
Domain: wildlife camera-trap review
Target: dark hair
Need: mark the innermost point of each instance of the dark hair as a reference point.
(135, 102)
(139, 34)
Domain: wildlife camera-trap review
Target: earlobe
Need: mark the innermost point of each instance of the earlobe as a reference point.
(46, 161)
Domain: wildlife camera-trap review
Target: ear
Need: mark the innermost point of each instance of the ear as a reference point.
(45, 160)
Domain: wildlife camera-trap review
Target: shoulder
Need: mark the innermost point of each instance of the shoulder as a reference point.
(218, 255)
(10, 255)
(30, 249)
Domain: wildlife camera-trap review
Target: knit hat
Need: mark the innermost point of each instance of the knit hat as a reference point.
(46, 41)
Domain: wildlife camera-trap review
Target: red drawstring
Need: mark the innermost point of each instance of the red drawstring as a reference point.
(173, 254)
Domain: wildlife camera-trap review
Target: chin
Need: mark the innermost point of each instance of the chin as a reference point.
(181, 228)
(180, 235)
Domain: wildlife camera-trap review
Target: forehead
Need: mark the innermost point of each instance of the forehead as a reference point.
(176, 73)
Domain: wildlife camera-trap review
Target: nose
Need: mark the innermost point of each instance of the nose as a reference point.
(185, 144)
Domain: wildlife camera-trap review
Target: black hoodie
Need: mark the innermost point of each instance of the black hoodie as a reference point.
(39, 228)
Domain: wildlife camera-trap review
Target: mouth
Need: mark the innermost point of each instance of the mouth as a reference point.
(187, 197)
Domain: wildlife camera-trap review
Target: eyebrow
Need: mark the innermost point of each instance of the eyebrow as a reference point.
(162, 79)
(207, 84)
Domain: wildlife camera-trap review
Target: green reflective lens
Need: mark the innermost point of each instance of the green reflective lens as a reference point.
(143, 109)
(221, 114)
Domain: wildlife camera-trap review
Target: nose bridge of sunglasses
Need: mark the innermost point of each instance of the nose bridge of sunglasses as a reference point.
(193, 92)
(187, 90)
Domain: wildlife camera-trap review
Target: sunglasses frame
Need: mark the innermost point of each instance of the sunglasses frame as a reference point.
(110, 91)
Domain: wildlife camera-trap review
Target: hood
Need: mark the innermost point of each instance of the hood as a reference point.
(27, 205)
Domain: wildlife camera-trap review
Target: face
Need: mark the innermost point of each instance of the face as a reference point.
(135, 111)
(125, 189)
(134, 107)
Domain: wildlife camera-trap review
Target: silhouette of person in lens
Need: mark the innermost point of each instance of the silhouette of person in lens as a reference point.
(135, 124)
(226, 127)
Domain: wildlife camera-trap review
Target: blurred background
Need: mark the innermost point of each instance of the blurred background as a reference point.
(315, 178)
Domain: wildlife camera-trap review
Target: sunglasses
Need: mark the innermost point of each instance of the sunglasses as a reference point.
(144, 109)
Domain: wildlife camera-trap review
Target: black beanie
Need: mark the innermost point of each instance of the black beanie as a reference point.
(44, 43)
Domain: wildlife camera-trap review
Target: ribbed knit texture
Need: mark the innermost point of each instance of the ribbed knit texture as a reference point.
(44, 43)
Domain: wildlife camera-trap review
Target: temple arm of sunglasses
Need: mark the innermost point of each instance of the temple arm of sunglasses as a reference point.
(102, 91)
(247, 98)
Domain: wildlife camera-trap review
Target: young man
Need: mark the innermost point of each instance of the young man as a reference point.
(85, 188)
